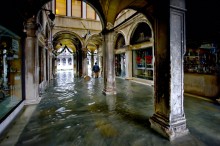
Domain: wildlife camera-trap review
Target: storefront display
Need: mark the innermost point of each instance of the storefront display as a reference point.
(203, 60)
(10, 73)
(143, 63)
(202, 70)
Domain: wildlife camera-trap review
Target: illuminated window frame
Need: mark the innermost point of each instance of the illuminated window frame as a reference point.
(81, 9)
(91, 8)
(64, 13)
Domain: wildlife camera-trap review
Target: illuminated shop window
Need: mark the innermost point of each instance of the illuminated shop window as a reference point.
(143, 63)
(77, 8)
(61, 7)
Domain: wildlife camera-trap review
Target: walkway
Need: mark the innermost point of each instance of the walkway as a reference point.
(74, 112)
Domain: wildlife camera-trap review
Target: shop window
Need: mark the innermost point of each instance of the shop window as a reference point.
(77, 8)
(204, 60)
(61, 7)
(143, 63)
(10, 74)
(90, 12)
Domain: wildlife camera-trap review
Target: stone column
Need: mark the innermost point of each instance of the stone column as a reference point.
(108, 64)
(50, 66)
(169, 117)
(31, 63)
(128, 63)
(85, 65)
(92, 59)
(80, 63)
(100, 54)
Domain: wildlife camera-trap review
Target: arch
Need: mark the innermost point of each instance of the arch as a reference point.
(135, 25)
(141, 33)
(72, 38)
(95, 38)
(91, 47)
(120, 40)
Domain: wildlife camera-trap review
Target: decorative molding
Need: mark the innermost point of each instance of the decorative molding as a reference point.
(109, 26)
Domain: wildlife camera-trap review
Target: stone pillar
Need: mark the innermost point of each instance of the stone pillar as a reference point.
(80, 63)
(100, 54)
(108, 64)
(85, 65)
(31, 63)
(73, 63)
(128, 63)
(50, 66)
(92, 59)
(169, 117)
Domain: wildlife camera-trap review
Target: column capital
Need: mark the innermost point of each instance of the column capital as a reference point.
(128, 47)
(30, 26)
(178, 4)
(109, 26)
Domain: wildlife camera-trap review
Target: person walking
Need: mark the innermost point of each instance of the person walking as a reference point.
(96, 70)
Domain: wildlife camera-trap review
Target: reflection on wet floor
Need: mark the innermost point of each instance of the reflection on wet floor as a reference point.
(74, 112)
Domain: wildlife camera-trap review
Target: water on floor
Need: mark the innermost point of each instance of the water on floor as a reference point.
(74, 112)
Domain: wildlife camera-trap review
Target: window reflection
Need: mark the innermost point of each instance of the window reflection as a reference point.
(10, 74)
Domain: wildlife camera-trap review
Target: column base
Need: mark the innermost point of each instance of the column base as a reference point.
(128, 78)
(32, 101)
(109, 92)
(170, 130)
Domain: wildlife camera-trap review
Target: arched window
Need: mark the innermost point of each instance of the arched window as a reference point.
(142, 33)
(77, 8)
(90, 12)
(64, 61)
(61, 7)
(120, 42)
(70, 61)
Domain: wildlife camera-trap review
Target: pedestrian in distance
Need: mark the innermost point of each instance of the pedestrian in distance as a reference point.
(96, 70)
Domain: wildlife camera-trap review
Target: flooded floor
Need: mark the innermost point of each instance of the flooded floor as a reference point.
(74, 112)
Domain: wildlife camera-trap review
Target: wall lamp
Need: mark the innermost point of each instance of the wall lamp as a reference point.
(50, 15)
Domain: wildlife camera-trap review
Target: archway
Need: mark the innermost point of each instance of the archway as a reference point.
(68, 51)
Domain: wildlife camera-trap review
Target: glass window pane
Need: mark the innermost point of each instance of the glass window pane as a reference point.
(142, 64)
(10, 74)
(90, 12)
(77, 8)
(61, 7)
